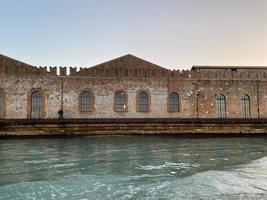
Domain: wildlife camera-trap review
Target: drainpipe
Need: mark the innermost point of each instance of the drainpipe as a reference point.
(60, 112)
(258, 100)
(197, 95)
(61, 94)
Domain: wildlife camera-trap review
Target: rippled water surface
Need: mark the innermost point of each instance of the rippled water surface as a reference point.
(133, 167)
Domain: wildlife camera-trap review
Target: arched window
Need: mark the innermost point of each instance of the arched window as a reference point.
(174, 102)
(221, 106)
(36, 104)
(245, 106)
(86, 101)
(143, 102)
(120, 101)
(1, 104)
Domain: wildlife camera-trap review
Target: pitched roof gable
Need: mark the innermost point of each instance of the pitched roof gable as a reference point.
(10, 66)
(7, 61)
(128, 61)
(127, 65)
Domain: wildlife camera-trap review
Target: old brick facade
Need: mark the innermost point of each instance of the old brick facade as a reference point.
(198, 90)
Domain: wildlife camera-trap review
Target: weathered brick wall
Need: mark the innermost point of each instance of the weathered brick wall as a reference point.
(104, 90)
(197, 90)
(262, 85)
(187, 96)
(233, 90)
(18, 91)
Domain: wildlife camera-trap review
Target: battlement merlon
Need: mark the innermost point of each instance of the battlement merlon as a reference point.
(131, 67)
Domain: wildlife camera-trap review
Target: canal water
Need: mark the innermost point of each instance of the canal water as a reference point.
(133, 167)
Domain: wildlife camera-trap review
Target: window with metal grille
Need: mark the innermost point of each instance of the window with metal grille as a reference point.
(86, 102)
(143, 102)
(245, 106)
(221, 106)
(120, 102)
(36, 104)
(174, 102)
(1, 104)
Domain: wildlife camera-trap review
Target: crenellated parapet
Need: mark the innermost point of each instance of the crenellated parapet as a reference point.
(24, 70)
(129, 66)
(10, 66)
(121, 72)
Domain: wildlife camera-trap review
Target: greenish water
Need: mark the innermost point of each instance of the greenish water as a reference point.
(133, 167)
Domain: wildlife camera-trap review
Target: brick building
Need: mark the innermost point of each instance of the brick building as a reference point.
(129, 87)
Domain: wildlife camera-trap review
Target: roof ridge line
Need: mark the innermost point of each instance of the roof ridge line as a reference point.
(9, 58)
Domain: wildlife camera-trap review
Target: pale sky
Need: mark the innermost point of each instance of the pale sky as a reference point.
(175, 34)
